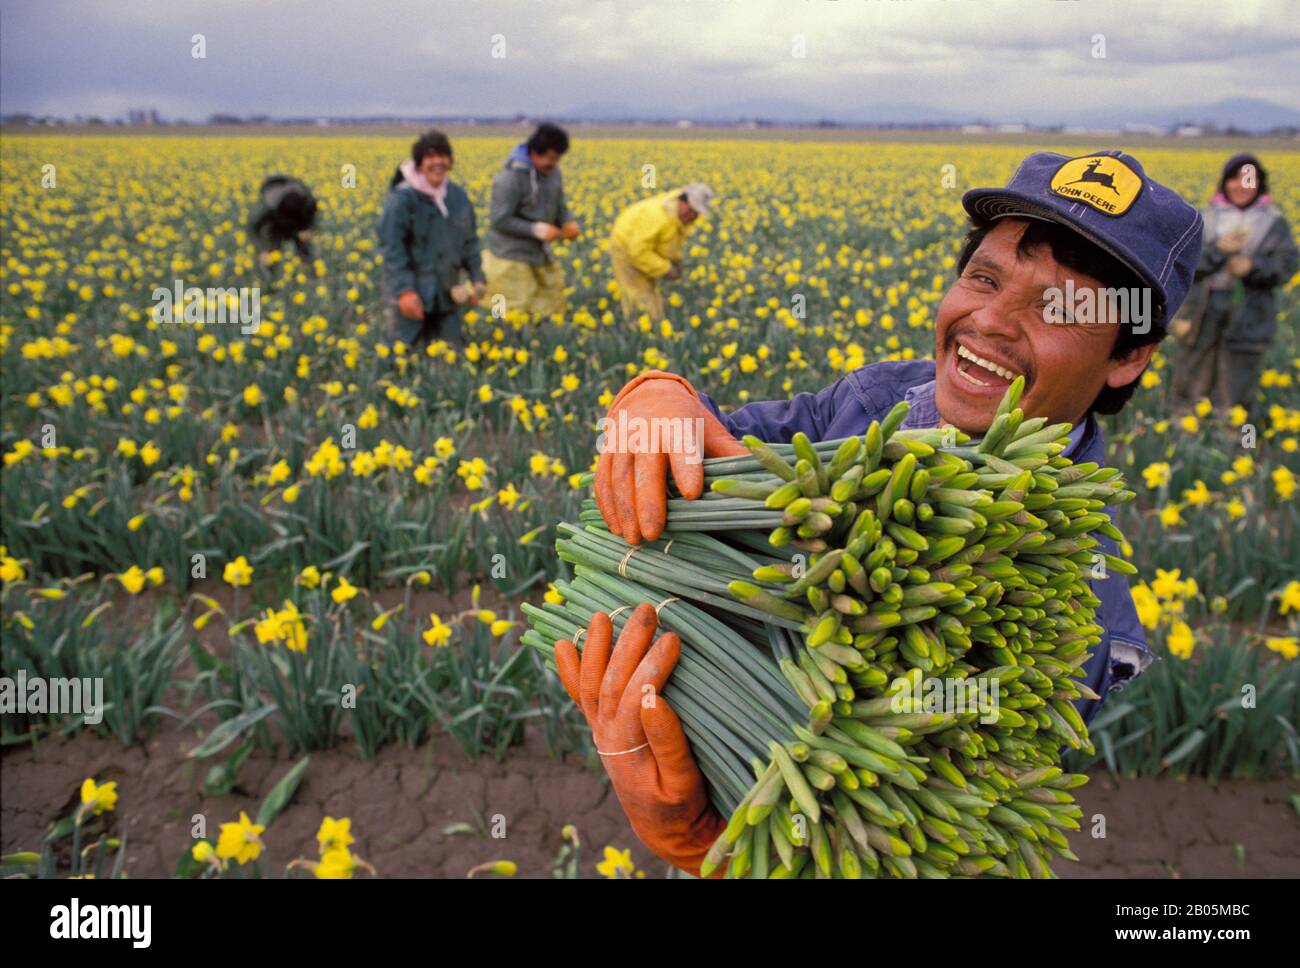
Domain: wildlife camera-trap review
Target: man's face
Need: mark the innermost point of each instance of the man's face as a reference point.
(685, 214)
(547, 162)
(435, 168)
(995, 312)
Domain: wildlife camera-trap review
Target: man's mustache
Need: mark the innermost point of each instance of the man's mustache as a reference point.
(1015, 360)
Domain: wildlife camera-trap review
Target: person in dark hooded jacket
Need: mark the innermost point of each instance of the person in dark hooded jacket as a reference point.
(429, 241)
(1230, 317)
(285, 211)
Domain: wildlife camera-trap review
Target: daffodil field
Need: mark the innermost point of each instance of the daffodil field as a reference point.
(243, 526)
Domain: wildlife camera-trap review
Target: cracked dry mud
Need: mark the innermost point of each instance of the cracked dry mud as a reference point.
(402, 802)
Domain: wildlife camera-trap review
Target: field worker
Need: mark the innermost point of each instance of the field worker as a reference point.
(285, 211)
(527, 214)
(1088, 223)
(1228, 323)
(646, 245)
(429, 241)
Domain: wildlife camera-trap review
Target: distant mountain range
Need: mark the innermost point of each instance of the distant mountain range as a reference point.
(771, 109)
(1247, 114)
(1252, 115)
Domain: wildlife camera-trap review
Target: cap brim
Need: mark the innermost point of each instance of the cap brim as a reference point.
(991, 204)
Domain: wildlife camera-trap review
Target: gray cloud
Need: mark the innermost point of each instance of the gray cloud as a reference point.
(968, 57)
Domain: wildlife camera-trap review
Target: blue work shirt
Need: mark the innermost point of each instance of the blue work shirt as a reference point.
(847, 407)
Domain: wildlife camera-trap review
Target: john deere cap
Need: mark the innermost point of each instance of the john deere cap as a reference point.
(699, 196)
(1108, 199)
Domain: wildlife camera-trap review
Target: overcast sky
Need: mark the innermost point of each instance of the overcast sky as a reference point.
(995, 58)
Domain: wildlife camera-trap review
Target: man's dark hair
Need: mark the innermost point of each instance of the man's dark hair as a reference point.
(1078, 254)
(432, 142)
(548, 137)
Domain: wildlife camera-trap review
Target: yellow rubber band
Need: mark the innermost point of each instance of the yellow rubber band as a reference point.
(634, 749)
(666, 601)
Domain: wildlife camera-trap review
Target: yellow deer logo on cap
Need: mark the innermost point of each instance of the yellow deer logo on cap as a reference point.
(1117, 184)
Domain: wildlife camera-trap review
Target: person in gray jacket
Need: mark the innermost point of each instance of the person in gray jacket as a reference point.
(429, 241)
(527, 214)
(1230, 318)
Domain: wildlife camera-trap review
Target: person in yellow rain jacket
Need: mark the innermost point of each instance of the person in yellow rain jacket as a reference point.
(646, 245)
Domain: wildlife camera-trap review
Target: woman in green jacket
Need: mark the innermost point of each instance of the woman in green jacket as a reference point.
(429, 241)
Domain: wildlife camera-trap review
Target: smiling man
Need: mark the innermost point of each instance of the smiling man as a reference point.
(1068, 278)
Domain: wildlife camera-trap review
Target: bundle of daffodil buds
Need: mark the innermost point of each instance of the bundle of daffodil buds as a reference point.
(882, 640)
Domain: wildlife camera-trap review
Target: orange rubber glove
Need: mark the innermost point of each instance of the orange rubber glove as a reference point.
(410, 305)
(570, 230)
(632, 474)
(660, 787)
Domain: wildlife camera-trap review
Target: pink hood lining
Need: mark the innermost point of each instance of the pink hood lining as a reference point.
(1222, 200)
(416, 180)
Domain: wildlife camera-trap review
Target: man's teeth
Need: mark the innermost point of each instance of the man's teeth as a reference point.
(989, 365)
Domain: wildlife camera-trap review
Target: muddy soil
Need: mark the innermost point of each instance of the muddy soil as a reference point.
(404, 802)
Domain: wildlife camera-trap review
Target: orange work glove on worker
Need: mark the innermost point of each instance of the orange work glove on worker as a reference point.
(637, 452)
(410, 305)
(639, 737)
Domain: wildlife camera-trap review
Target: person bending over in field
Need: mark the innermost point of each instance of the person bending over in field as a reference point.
(285, 211)
(1228, 323)
(429, 241)
(527, 214)
(646, 245)
(1002, 317)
